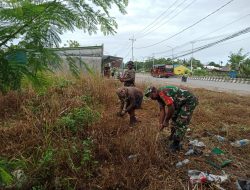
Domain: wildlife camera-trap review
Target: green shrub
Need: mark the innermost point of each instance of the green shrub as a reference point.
(200, 73)
(86, 156)
(5, 177)
(8, 166)
(63, 83)
(47, 157)
(78, 119)
(87, 99)
(68, 122)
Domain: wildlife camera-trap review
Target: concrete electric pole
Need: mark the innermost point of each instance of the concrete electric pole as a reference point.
(132, 40)
(192, 56)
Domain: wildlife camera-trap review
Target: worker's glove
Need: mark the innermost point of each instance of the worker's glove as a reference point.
(123, 113)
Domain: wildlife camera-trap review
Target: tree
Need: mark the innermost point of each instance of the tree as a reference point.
(235, 59)
(195, 63)
(72, 43)
(245, 67)
(214, 64)
(37, 26)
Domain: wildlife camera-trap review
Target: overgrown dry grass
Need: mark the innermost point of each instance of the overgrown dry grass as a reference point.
(28, 133)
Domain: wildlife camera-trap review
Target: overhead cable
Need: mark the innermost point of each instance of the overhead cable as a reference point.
(183, 30)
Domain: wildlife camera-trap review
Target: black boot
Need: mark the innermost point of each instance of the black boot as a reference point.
(175, 146)
(132, 121)
(171, 137)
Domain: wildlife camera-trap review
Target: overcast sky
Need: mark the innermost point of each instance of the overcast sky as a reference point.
(176, 16)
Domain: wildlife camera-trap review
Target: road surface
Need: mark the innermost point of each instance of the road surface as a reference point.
(242, 89)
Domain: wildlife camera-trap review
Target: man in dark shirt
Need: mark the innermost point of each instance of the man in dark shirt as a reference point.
(131, 99)
(180, 106)
(129, 76)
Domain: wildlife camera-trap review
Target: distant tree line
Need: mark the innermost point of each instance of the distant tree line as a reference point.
(148, 63)
(238, 61)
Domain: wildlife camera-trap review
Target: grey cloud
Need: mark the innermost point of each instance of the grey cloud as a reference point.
(143, 12)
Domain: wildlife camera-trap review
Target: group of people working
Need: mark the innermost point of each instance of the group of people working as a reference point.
(175, 104)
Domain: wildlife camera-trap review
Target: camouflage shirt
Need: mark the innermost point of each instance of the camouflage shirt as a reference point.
(173, 95)
(129, 77)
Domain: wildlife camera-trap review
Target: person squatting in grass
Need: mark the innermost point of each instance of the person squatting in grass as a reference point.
(180, 105)
(131, 99)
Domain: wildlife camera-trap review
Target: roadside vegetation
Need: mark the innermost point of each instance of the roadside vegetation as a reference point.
(68, 136)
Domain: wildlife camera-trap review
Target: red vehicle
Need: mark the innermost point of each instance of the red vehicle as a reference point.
(162, 71)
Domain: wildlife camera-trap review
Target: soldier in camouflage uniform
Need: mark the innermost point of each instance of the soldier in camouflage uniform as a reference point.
(131, 99)
(129, 75)
(180, 106)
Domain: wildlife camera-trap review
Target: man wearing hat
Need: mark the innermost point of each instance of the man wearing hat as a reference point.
(180, 105)
(129, 76)
(131, 99)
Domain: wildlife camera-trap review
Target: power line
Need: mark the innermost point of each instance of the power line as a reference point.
(223, 26)
(205, 39)
(188, 26)
(241, 32)
(168, 19)
(124, 46)
(127, 54)
(235, 41)
(197, 39)
(158, 17)
(159, 22)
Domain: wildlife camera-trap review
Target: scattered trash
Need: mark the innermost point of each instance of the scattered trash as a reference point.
(193, 152)
(196, 176)
(20, 178)
(197, 143)
(218, 158)
(217, 178)
(132, 156)
(217, 151)
(189, 152)
(240, 143)
(220, 138)
(242, 184)
(220, 165)
(182, 163)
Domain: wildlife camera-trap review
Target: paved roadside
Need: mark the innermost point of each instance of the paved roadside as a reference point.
(241, 89)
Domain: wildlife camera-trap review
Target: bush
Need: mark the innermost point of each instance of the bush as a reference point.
(200, 73)
(79, 118)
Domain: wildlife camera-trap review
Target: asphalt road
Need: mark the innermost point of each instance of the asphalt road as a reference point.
(238, 88)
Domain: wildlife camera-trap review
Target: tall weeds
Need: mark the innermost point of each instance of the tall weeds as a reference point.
(69, 137)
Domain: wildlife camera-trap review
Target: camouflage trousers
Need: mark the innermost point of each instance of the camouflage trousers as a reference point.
(181, 119)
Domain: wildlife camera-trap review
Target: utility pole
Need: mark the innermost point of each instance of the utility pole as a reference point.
(172, 49)
(173, 57)
(192, 56)
(132, 40)
(153, 60)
